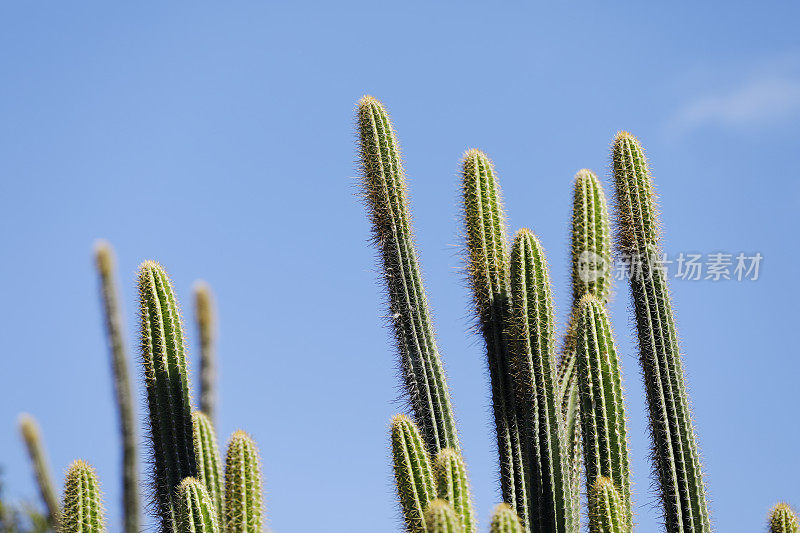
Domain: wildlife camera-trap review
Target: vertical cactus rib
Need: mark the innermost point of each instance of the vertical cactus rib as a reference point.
(244, 503)
(453, 485)
(675, 452)
(505, 520)
(605, 438)
(41, 468)
(487, 267)
(105, 262)
(82, 510)
(533, 354)
(606, 513)
(205, 317)
(440, 517)
(209, 466)
(384, 190)
(196, 511)
(782, 519)
(412, 472)
(167, 384)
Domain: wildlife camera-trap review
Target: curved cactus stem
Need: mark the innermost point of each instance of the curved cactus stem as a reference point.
(440, 517)
(244, 503)
(505, 520)
(453, 485)
(196, 511)
(209, 466)
(412, 472)
(82, 510)
(606, 514)
(782, 519)
(41, 468)
(205, 316)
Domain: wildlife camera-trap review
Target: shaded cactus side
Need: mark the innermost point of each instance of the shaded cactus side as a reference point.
(606, 514)
(41, 468)
(452, 485)
(196, 511)
(505, 520)
(244, 503)
(413, 473)
(205, 316)
(209, 465)
(82, 510)
(440, 517)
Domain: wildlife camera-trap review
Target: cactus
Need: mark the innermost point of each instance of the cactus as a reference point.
(206, 328)
(41, 469)
(532, 332)
(487, 267)
(453, 485)
(440, 517)
(505, 520)
(385, 195)
(782, 519)
(167, 383)
(606, 514)
(209, 466)
(675, 452)
(105, 262)
(244, 505)
(605, 442)
(196, 511)
(412, 472)
(82, 510)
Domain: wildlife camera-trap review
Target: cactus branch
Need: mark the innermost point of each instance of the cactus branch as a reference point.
(82, 511)
(453, 485)
(41, 469)
(205, 316)
(605, 508)
(505, 520)
(412, 472)
(440, 517)
(196, 511)
(209, 466)
(244, 501)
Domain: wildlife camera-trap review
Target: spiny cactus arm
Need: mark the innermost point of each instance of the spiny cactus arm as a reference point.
(41, 469)
(505, 520)
(385, 195)
(571, 415)
(440, 517)
(209, 466)
(106, 266)
(675, 452)
(604, 427)
(532, 331)
(782, 519)
(452, 485)
(196, 511)
(244, 500)
(82, 510)
(487, 268)
(413, 474)
(205, 317)
(606, 513)
(167, 384)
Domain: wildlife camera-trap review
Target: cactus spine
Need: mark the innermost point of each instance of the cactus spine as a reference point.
(532, 330)
(207, 329)
(675, 452)
(782, 519)
(412, 472)
(105, 262)
(605, 438)
(83, 508)
(167, 383)
(453, 486)
(487, 261)
(209, 466)
(244, 505)
(196, 511)
(385, 195)
(41, 469)
(505, 520)
(606, 514)
(441, 518)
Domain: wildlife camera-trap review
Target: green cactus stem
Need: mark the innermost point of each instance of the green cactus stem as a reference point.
(453, 485)
(82, 510)
(606, 513)
(532, 331)
(205, 317)
(196, 511)
(209, 466)
(41, 468)
(412, 472)
(106, 268)
(167, 384)
(384, 190)
(487, 267)
(782, 519)
(675, 451)
(505, 520)
(244, 504)
(440, 517)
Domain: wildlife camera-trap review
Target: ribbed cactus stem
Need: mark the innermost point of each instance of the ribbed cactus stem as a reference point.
(452, 485)
(440, 517)
(205, 316)
(209, 466)
(533, 332)
(487, 267)
(606, 514)
(82, 510)
(604, 428)
(782, 519)
(505, 520)
(196, 511)
(106, 268)
(167, 384)
(41, 468)
(384, 190)
(675, 452)
(244, 503)
(413, 474)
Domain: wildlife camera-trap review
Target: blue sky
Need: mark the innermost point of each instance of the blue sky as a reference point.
(220, 141)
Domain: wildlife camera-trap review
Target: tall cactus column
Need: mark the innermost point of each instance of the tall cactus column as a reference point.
(675, 452)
